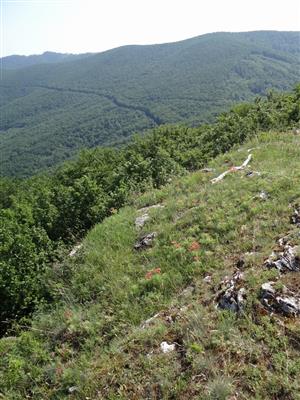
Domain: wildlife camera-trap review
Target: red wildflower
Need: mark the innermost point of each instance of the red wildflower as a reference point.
(68, 314)
(176, 245)
(154, 271)
(194, 246)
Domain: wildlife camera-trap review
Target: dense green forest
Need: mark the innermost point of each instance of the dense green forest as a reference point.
(16, 61)
(51, 110)
(42, 215)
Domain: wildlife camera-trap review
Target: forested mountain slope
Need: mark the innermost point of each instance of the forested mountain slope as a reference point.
(49, 111)
(16, 61)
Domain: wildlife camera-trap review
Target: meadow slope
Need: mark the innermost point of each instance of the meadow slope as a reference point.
(95, 343)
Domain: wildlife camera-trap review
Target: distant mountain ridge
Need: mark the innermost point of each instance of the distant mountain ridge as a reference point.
(51, 110)
(48, 57)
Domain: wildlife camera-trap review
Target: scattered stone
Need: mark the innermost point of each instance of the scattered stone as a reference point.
(251, 253)
(207, 279)
(263, 195)
(251, 174)
(232, 295)
(145, 241)
(72, 389)
(74, 250)
(282, 242)
(142, 219)
(146, 209)
(183, 309)
(207, 170)
(150, 354)
(169, 319)
(268, 294)
(241, 295)
(289, 305)
(268, 289)
(167, 348)
(188, 291)
(286, 261)
(232, 300)
(295, 218)
(296, 131)
(240, 264)
(272, 299)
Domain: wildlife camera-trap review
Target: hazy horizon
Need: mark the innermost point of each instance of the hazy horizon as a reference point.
(134, 44)
(32, 27)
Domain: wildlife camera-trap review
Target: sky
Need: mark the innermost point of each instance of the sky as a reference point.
(79, 26)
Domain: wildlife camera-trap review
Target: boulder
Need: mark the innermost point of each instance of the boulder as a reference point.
(281, 301)
(268, 289)
(145, 241)
(286, 261)
(289, 305)
(295, 217)
(232, 295)
(141, 220)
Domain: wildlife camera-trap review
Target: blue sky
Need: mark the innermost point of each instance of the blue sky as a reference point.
(78, 26)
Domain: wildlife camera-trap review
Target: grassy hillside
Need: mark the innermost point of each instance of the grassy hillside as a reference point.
(50, 111)
(95, 343)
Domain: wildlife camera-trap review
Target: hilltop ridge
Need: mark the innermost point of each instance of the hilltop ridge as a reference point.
(17, 61)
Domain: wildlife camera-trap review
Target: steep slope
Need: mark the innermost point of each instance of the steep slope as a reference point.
(52, 110)
(99, 342)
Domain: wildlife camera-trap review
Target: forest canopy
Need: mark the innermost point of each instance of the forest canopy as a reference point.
(49, 111)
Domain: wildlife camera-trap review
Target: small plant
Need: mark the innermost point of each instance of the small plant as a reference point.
(197, 348)
(220, 388)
